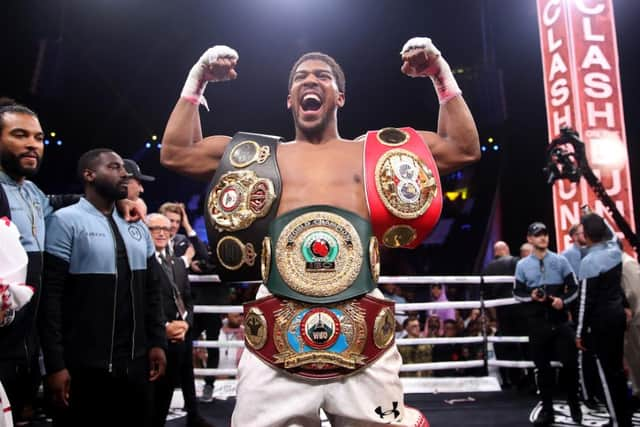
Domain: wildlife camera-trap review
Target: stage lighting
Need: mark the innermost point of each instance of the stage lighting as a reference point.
(147, 145)
(483, 148)
(46, 142)
(58, 143)
(607, 149)
(52, 134)
(496, 147)
(159, 146)
(154, 137)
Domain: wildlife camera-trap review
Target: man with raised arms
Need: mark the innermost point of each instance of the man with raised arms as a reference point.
(319, 202)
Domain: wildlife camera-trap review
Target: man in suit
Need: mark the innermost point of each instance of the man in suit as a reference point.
(510, 317)
(178, 311)
(190, 248)
(193, 251)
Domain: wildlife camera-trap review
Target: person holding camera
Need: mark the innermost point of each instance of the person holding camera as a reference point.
(546, 283)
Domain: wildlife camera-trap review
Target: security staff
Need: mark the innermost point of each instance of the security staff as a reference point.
(101, 322)
(602, 320)
(546, 282)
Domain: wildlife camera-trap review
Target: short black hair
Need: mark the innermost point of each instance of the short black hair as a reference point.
(411, 318)
(336, 69)
(88, 160)
(594, 227)
(8, 105)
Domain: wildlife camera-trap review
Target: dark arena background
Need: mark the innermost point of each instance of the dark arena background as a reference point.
(107, 73)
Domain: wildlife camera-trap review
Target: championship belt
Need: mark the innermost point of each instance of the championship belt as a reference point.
(242, 200)
(402, 185)
(320, 254)
(319, 341)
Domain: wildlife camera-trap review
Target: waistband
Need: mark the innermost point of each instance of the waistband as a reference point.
(320, 254)
(319, 341)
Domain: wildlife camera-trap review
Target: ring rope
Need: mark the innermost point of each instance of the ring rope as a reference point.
(414, 367)
(214, 278)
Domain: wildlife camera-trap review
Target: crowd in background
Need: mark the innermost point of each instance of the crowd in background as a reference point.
(188, 250)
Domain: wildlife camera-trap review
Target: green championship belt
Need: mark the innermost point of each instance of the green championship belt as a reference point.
(242, 200)
(320, 254)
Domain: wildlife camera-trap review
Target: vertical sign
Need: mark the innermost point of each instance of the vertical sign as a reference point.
(582, 91)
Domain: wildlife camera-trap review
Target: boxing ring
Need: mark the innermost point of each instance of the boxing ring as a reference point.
(451, 401)
(414, 385)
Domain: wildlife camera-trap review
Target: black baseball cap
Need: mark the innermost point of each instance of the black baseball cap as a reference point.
(133, 169)
(537, 228)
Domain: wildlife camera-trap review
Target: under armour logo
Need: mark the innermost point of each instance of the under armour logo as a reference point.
(394, 411)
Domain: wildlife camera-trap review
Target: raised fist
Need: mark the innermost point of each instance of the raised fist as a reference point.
(217, 64)
(420, 58)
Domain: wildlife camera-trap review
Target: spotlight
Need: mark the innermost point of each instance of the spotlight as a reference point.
(52, 134)
(496, 147)
(490, 139)
(154, 137)
(483, 148)
(159, 146)
(46, 142)
(147, 145)
(58, 143)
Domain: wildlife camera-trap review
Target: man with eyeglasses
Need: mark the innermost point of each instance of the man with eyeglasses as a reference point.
(547, 284)
(178, 320)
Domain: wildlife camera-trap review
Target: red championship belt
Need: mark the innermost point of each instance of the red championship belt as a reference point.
(403, 188)
(319, 341)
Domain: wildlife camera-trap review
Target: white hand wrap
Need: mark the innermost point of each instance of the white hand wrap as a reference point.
(438, 69)
(200, 75)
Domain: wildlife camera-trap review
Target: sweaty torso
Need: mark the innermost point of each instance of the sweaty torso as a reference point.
(324, 174)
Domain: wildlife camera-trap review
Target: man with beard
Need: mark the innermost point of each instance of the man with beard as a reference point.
(21, 152)
(319, 178)
(21, 149)
(101, 322)
(545, 281)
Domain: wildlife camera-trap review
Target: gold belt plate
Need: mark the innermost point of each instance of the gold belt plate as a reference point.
(319, 254)
(351, 324)
(405, 183)
(238, 199)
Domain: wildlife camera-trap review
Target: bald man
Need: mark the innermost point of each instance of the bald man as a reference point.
(510, 321)
(525, 250)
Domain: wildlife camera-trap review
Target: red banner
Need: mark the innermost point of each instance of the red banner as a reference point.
(582, 91)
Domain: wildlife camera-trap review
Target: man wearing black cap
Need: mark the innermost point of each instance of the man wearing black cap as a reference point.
(547, 284)
(134, 185)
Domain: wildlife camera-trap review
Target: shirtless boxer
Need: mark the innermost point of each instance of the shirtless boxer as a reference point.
(320, 172)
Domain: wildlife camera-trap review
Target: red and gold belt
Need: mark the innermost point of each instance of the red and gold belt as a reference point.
(319, 341)
(402, 186)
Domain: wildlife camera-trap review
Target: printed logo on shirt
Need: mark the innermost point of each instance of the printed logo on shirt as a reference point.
(135, 232)
(95, 234)
(385, 413)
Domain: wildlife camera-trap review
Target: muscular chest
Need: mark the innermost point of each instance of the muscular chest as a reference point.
(322, 175)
